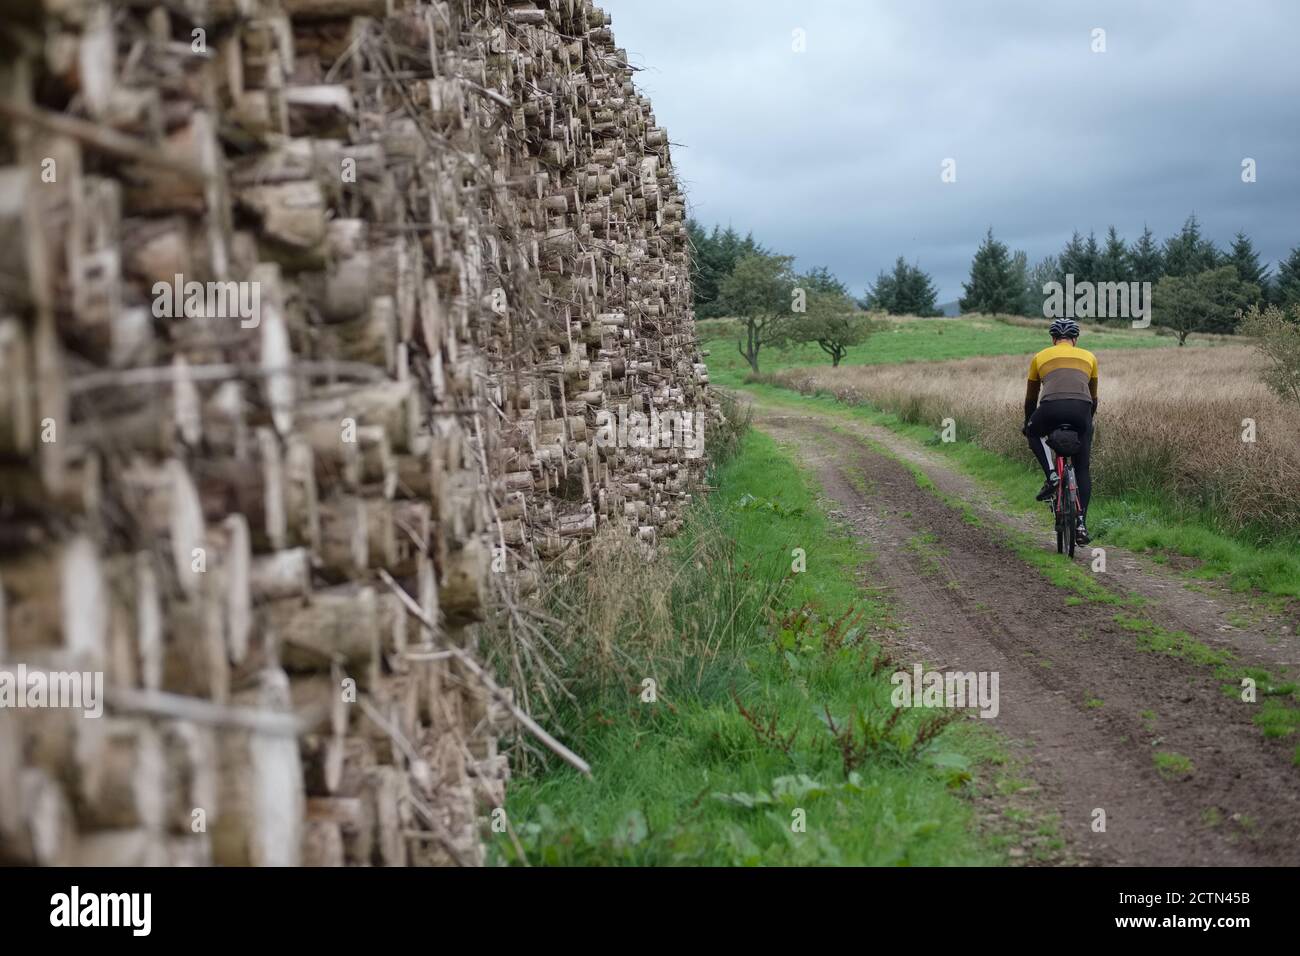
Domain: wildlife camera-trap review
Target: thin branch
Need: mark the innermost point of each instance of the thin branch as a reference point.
(497, 693)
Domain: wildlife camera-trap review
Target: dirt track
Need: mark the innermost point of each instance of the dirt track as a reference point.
(1077, 693)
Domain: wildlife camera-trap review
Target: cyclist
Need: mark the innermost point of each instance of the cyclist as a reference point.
(1062, 390)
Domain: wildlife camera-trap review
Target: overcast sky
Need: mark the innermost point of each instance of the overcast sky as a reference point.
(834, 154)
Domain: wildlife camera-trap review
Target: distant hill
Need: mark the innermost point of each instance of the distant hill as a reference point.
(950, 308)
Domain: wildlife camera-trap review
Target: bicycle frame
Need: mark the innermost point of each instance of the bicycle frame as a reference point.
(1065, 505)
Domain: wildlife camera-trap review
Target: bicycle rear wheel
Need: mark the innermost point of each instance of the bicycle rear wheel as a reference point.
(1071, 513)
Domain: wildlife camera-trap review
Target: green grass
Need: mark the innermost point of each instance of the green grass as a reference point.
(693, 780)
(1277, 718)
(1172, 765)
(910, 341)
(1158, 640)
(1242, 563)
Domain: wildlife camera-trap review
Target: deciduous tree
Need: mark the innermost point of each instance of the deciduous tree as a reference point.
(1210, 301)
(1277, 336)
(758, 292)
(834, 322)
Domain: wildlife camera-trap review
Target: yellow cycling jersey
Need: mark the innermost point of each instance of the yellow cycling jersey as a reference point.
(1064, 371)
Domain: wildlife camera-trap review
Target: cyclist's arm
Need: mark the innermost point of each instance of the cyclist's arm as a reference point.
(1092, 385)
(1032, 389)
(1031, 398)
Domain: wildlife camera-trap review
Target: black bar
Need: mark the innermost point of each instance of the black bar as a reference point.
(499, 906)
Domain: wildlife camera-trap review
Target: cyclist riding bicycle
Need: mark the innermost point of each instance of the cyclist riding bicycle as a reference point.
(1062, 390)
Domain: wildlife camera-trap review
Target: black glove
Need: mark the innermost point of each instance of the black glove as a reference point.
(1024, 429)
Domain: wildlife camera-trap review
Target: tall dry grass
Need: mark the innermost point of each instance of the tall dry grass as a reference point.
(621, 611)
(1170, 421)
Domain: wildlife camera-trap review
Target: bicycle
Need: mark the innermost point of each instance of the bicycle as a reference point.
(1065, 505)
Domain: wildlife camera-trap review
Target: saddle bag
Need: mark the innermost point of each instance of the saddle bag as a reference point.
(1065, 441)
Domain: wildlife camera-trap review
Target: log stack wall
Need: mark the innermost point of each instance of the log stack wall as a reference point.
(322, 324)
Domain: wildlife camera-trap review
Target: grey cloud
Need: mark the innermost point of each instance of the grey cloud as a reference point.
(833, 154)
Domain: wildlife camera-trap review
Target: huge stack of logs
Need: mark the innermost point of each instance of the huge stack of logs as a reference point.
(433, 241)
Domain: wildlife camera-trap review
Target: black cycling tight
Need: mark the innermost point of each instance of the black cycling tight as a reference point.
(1052, 415)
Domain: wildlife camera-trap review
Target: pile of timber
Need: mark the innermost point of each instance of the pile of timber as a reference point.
(433, 243)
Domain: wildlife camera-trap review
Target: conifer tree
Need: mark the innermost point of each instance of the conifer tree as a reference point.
(1145, 258)
(1114, 265)
(995, 286)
